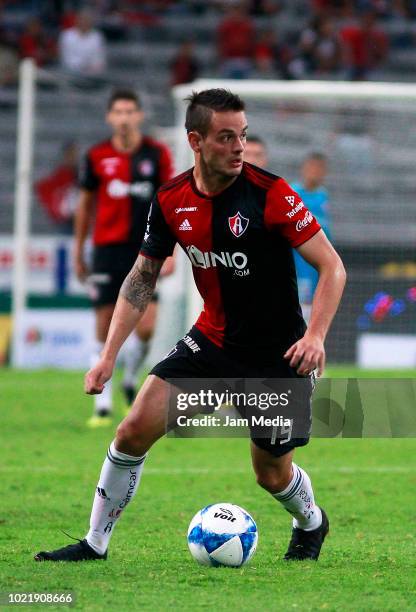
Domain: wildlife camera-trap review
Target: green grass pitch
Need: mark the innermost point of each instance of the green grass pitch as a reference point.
(50, 464)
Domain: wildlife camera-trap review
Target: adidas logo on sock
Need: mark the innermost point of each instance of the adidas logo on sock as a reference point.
(101, 493)
(185, 226)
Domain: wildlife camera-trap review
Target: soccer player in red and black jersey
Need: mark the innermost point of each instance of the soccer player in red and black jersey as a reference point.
(118, 180)
(238, 225)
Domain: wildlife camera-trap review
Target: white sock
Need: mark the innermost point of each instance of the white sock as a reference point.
(119, 479)
(134, 357)
(104, 400)
(299, 501)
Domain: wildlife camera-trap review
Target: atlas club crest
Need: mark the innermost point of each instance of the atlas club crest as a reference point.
(238, 224)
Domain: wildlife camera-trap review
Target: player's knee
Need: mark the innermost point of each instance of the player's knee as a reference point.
(130, 439)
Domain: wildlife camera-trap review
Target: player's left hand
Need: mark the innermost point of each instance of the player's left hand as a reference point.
(97, 376)
(306, 355)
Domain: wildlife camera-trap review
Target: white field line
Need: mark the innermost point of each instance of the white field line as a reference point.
(390, 469)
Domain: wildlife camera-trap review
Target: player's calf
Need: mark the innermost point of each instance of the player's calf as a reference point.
(291, 486)
(275, 477)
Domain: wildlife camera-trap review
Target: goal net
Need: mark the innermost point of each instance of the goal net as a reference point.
(366, 131)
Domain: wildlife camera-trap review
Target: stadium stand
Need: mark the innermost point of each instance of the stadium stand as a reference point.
(373, 152)
(142, 58)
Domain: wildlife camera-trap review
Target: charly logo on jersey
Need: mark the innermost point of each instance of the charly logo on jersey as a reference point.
(208, 259)
(290, 199)
(185, 226)
(110, 165)
(238, 224)
(186, 209)
(120, 189)
(146, 167)
(302, 223)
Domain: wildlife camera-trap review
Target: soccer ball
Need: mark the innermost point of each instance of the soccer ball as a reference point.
(222, 534)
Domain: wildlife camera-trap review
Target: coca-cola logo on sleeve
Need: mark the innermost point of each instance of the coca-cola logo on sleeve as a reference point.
(302, 223)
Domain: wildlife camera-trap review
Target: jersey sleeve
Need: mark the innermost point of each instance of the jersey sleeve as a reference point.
(158, 241)
(166, 167)
(87, 179)
(287, 214)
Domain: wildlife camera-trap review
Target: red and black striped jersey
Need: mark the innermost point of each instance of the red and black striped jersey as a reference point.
(125, 184)
(240, 245)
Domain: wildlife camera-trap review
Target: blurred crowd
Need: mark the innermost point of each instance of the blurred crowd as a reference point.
(342, 38)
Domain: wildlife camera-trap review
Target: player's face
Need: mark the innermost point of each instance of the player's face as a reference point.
(255, 153)
(222, 149)
(124, 117)
(314, 172)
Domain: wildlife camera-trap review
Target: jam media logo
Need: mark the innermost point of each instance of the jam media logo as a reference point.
(238, 224)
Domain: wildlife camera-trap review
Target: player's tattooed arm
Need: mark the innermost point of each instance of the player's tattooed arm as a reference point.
(140, 282)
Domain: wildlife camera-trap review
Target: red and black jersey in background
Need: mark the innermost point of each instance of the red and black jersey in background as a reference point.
(240, 245)
(125, 184)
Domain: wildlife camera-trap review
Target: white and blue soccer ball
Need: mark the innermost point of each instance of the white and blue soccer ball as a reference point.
(222, 534)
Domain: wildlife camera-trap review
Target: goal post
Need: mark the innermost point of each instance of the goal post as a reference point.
(23, 190)
(364, 129)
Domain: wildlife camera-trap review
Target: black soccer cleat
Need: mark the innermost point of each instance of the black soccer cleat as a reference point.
(129, 393)
(307, 544)
(103, 412)
(81, 551)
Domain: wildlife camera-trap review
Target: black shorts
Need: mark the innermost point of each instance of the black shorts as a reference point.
(110, 266)
(195, 357)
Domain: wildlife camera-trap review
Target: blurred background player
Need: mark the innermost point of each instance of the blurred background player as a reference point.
(118, 179)
(58, 191)
(311, 189)
(313, 173)
(256, 152)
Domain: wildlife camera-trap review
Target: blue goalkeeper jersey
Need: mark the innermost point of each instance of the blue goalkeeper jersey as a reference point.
(317, 202)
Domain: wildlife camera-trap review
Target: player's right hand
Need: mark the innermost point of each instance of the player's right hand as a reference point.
(81, 269)
(96, 378)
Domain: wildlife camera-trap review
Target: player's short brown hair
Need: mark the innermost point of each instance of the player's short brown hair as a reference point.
(316, 156)
(255, 140)
(201, 106)
(123, 94)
